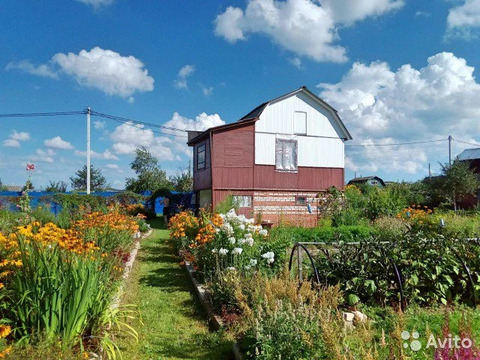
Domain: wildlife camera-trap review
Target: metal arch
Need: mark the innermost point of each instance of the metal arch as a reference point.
(295, 247)
(400, 285)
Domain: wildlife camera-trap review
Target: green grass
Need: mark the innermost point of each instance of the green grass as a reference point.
(173, 326)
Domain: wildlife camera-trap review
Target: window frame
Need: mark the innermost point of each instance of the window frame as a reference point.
(306, 123)
(202, 148)
(277, 141)
(301, 202)
(239, 203)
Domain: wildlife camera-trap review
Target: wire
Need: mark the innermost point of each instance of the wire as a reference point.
(59, 113)
(129, 123)
(466, 142)
(397, 144)
(125, 120)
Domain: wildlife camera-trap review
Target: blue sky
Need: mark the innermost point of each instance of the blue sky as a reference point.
(397, 71)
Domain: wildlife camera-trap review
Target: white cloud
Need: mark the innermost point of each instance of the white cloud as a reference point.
(15, 138)
(46, 156)
(99, 124)
(380, 105)
(128, 137)
(42, 70)
(105, 70)
(302, 26)
(297, 62)
(106, 155)
(183, 74)
(57, 143)
(20, 136)
(97, 3)
(112, 166)
(207, 90)
(11, 143)
(463, 18)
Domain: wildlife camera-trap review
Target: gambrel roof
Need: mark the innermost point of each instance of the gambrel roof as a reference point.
(254, 115)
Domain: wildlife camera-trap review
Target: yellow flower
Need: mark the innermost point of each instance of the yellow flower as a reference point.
(1, 286)
(5, 352)
(5, 330)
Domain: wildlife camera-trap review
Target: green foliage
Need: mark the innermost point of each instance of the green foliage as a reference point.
(56, 187)
(2, 187)
(345, 233)
(79, 286)
(28, 186)
(182, 181)
(97, 181)
(226, 205)
(459, 181)
(426, 255)
(150, 177)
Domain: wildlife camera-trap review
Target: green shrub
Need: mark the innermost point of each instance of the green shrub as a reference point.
(322, 234)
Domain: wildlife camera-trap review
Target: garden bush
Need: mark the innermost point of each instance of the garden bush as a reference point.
(57, 284)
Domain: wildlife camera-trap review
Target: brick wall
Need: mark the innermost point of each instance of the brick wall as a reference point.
(281, 207)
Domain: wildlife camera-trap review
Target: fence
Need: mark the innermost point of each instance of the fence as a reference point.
(8, 200)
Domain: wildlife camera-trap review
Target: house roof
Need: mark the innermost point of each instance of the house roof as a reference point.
(254, 115)
(469, 154)
(364, 179)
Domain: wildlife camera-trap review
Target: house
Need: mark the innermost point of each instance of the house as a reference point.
(368, 180)
(274, 161)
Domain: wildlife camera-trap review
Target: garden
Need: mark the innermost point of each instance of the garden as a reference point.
(388, 276)
(59, 276)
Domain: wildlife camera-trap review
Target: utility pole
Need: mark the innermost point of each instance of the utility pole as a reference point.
(88, 149)
(449, 149)
(429, 172)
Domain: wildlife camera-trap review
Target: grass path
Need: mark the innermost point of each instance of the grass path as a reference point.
(173, 324)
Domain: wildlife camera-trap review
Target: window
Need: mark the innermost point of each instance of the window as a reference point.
(201, 157)
(286, 155)
(300, 200)
(300, 123)
(242, 201)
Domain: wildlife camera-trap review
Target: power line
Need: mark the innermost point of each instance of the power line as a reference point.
(58, 113)
(466, 142)
(397, 144)
(124, 120)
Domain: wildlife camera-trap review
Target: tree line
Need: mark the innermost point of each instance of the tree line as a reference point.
(149, 177)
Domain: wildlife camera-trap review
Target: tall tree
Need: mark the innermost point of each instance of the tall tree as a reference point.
(97, 180)
(182, 180)
(28, 186)
(57, 187)
(150, 176)
(459, 181)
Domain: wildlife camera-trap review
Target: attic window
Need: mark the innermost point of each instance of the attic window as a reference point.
(286, 155)
(300, 123)
(201, 157)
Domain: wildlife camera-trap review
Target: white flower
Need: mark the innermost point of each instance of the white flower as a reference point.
(247, 267)
(223, 251)
(269, 256)
(227, 228)
(249, 241)
(263, 232)
(214, 251)
(241, 227)
(242, 241)
(253, 262)
(231, 268)
(231, 240)
(237, 251)
(248, 236)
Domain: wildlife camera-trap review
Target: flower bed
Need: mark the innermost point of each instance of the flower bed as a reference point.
(56, 283)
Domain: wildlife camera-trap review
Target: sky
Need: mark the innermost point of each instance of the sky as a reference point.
(396, 70)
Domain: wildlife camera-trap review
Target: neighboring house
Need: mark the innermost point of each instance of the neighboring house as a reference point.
(274, 161)
(368, 180)
(13, 187)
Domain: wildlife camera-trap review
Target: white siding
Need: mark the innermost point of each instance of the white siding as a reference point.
(322, 147)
